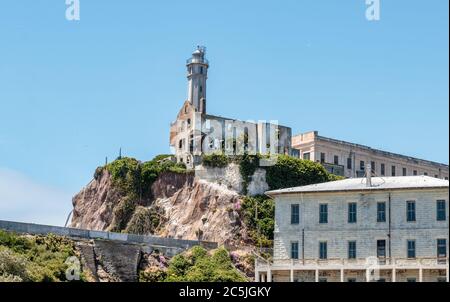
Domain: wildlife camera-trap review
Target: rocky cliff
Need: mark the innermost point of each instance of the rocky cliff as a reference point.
(188, 208)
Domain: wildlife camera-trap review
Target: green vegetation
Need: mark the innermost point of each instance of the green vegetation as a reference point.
(134, 180)
(144, 221)
(259, 215)
(134, 177)
(215, 160)
(293, 172)
(196, 265)
(34, 258)
(247, 167)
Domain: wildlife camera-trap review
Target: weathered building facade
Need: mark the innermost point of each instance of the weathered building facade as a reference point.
(350, 160)
(380, 229)
(195, 133)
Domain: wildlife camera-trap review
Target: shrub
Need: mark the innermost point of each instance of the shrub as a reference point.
(144, 221)
(197, 265)
(12, 265)
(34, 258)
(261, 227)
(122, 213)
(215, 160)
(293, 172)
(153, 274)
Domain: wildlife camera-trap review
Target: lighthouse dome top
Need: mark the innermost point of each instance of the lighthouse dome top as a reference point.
(198, 56)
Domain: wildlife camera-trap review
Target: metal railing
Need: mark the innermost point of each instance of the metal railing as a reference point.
(197, 60)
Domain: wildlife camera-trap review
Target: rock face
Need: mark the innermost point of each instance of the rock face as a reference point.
(193, 208)
(93, 206)
(204, 211)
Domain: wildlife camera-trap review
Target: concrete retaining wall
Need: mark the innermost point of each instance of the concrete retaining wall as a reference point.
(37, 229)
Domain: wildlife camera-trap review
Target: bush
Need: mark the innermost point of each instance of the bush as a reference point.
(261, 228)
(122, 213)
(215, 160)
(293, 172)
(153, 274)
(144, 221)
(197, 265)
(34, 258)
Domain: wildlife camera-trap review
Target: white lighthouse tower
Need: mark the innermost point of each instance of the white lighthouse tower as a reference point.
(197, 67)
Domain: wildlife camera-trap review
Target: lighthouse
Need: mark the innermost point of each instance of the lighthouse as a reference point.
(197, 68)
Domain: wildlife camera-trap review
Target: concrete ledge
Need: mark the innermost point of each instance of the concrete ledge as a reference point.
(37, 229)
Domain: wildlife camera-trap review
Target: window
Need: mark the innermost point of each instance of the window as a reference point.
(381, 280)
(352, 208)
(323, 250)
(336, 160)
(404, 171)
(372, 167)
(415, 172)
(294, 250)
(411, 280)
(381, 248)
(440, 208)
(323, 213)
(442, 248)
(352, 250)
(435, 176)
(381, 212)
(180, 144)
(351, 280)
(362, 165)
(425, 173)
(411, 249)
(383, 169)
(307, 156)
(323, 280)
(322, 158)
(295, 214)
(349, 163)
(410, 211)
(393, 170)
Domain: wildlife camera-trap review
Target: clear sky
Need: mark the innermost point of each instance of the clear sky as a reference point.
(72, 93)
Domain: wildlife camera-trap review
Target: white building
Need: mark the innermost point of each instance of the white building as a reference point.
(384, 229)
(195, 133)
(351, 160)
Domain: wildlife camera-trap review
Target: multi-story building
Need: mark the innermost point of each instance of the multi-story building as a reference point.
(195, 133)
(392, 229)
(350, 160)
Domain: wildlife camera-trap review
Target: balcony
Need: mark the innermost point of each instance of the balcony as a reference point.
(355, 264)
(197, 61)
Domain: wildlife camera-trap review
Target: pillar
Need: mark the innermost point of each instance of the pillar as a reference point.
(257, 276)
(269, 275)
(394, 275)
(317, 275)
(446, 272)
(420, 275)
(342, 275)
(367, 275)
(292, 275)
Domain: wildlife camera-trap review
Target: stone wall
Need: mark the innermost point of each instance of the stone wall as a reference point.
(231, 178)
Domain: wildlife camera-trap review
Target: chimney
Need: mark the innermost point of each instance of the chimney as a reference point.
(369, 175)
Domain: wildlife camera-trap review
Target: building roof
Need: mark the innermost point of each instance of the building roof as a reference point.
(359, 184)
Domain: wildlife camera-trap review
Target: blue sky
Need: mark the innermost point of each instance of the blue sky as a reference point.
(72, 93)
